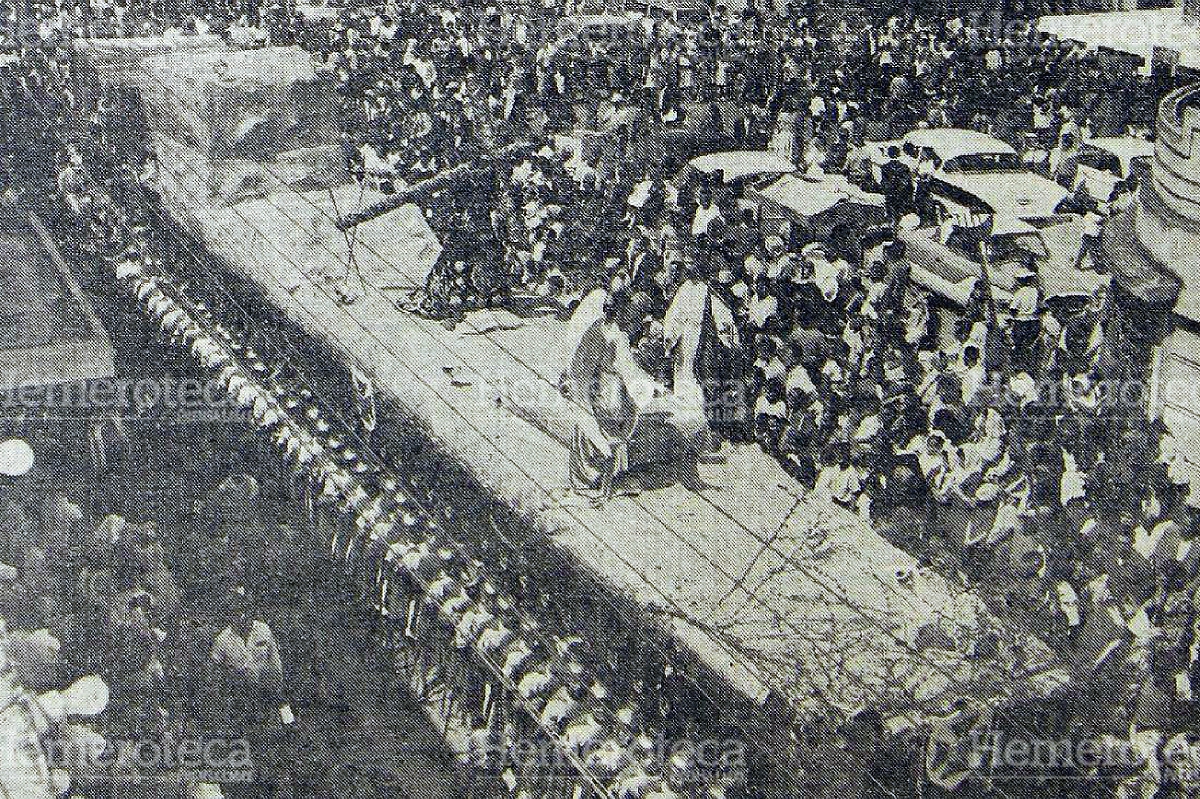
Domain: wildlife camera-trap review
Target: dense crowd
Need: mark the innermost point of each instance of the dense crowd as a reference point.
(189, 613)
(990, 441)
(619, 99)
(185, 660)
(994, 441)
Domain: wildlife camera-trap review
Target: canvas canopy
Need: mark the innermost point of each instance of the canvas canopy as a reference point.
(251, 104)
(248, 164)
(1057, 272)
(742, 164)
(117, 63)
(241, 124)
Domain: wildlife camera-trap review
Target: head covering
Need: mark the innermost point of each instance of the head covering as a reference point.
(16, 457)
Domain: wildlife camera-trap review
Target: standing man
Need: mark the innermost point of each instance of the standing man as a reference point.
(248, 668)
(1025, 309)
(896, 183)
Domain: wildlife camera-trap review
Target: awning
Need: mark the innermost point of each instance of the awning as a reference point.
(1138, 33)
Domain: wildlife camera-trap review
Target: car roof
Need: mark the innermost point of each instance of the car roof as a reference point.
(952, 142)
(738, 164)
(1123, 146)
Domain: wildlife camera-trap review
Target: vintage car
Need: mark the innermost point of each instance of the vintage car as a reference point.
(972, 174)
(736, 166)
(951, 266)
(931, 148)
(1106, 161)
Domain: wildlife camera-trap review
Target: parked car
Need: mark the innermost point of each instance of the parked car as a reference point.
(972, 174)
(1106, 161)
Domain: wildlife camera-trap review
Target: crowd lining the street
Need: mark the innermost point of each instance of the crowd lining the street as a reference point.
(983, 441)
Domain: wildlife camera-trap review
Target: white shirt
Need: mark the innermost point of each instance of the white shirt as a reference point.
(1025, 302)
(973, 378)
(839, 483)
(798, 379)
(763, 406)
(763, 308)
(257, 653)
(703, 218)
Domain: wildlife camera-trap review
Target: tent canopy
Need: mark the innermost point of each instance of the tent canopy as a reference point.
(250, 104)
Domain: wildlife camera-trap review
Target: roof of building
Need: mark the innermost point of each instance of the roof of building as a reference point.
(49, 333)
(1138, 33)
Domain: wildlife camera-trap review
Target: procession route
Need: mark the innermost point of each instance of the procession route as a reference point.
(821, 611)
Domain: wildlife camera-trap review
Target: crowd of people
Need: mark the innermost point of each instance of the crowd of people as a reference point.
(990, 441)
(994, 441)
(188, 612)
(427, 87)
(185, 659)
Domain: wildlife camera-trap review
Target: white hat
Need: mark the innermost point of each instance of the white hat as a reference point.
(16, 457)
